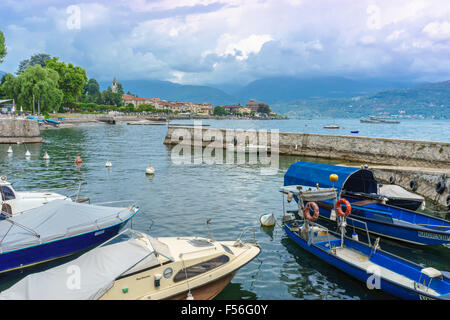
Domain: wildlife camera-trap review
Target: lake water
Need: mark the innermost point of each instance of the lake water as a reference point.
(179, 198)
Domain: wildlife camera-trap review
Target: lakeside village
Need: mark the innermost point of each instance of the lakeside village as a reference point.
(45, 85)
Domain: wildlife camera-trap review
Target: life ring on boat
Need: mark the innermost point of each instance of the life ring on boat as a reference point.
(308, 213)
(348, 209)
(440, 187)
(413, 185)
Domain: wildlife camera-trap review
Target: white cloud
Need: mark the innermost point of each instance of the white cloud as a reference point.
(438, 30)
(395, 35)
(244, 47)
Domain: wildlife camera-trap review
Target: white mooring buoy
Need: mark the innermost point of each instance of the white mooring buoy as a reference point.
(267, 220)
(108, 164)
(10, 150)
(150, 169)
(46, 156)
(27, 154)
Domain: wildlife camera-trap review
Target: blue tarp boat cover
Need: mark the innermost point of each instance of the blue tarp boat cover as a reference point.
(55, 220)
(350, 179)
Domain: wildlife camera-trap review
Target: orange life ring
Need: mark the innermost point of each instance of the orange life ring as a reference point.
(308, 214)
(348, 209)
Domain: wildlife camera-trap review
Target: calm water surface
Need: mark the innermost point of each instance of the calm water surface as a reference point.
(179, 198)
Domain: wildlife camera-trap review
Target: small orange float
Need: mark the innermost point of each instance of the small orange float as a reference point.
(78, 160)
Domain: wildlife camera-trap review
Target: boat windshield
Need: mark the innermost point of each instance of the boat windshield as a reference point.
(7, 193)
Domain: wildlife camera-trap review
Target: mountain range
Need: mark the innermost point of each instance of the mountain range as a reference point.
(429, 100)
(268, 90)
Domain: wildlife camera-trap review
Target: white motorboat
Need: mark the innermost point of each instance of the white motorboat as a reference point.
(136, 266)
(14, 202)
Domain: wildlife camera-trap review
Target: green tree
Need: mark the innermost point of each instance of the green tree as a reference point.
(219, 111)
(72, 79)
(2, 46)
(37, 59)
(42, 83)
(92, 87)
(264, 109)
(8, 86)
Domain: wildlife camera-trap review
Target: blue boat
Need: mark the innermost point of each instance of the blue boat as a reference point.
(368, 263)
(381, 219)
(35, 118)
(57, 229)
(52, 121)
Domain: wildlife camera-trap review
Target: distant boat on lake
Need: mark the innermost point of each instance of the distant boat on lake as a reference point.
(374, 119)
(331, 127)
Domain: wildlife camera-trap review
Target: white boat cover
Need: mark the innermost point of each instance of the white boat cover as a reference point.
(91, 275)
(310, 193)
(394, 191)
(56, 220)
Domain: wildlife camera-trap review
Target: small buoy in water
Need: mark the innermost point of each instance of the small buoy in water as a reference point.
(46, 156)
(27, 154)
(150, 169)
(268, 220)
(78, 160)
(355, 236)
(10, 150)
(108, 164)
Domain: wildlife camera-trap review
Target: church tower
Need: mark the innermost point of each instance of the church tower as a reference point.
(114, 85)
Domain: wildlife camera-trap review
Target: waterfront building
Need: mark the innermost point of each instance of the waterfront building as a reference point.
(254, 105)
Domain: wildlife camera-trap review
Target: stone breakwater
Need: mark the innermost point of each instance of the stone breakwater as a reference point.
(19, 131)
(403, 161)
(397, 152)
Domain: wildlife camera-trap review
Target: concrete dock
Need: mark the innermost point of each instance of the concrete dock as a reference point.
(19, 131)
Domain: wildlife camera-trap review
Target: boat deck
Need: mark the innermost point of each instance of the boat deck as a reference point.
(362, 261)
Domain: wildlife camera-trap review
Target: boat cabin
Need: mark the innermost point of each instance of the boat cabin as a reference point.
(13, 202)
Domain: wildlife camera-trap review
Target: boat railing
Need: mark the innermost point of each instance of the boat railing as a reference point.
(365, 224)
(311, 232)
(14, 223)
(75, 195)
(99, 220)
(245, 230)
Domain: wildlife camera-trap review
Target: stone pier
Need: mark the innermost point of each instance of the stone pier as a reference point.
(19, 131)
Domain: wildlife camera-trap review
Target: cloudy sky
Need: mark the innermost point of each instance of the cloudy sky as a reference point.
(234, 41)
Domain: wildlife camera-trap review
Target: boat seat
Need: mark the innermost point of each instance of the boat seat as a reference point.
(431, 272)
(364, 203)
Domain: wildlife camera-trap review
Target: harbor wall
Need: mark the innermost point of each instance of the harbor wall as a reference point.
(19, 131)
(384, 151)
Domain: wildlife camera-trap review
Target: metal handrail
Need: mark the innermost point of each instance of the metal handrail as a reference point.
(244, 230)
(367, 229)
(14, 223)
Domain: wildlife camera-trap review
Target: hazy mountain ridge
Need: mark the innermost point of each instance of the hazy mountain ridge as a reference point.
(284, 89)
(430, 100)
(268, 90)
(167, 90)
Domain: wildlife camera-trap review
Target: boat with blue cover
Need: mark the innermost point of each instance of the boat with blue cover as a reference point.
(381, 218)
(367, 262)
(57, 229)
